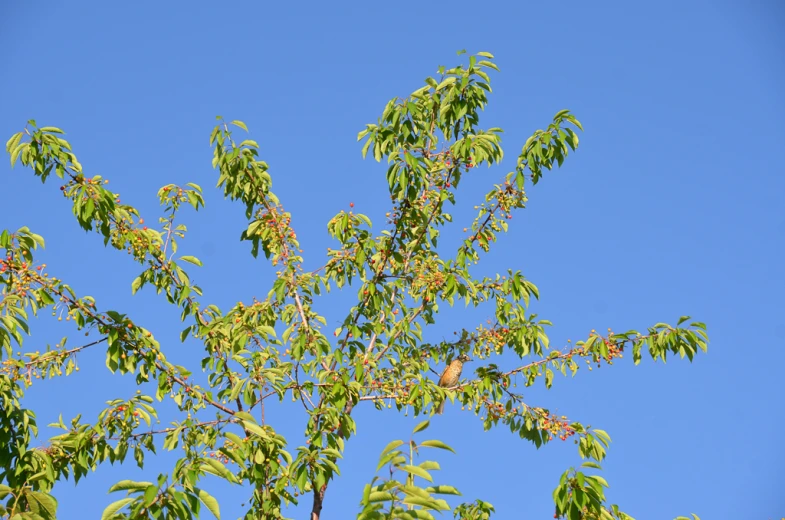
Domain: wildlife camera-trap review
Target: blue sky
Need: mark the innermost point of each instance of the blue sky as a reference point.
(672, 205)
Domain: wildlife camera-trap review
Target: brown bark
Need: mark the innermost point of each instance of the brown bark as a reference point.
(318, 499)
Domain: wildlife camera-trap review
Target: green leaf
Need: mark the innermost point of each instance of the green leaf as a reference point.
(414, 514)
(485, 54)
(209, 502)
(11, 143)
(438, 505)
(150, 494)
(136, 284)
(216, 468)
(443, 490)
(429, 465)
(391, 446)
(192, 260)
(436, 444)
(604, 437)
(245, 416)
(599, 479)
(420, 427)
(45, 503)
(255, 429)
(367, 145)
(414, 470)
(380, 496)
(240, 124)
(129, 485)
(16, 151)
(114, 507)
(447, 81)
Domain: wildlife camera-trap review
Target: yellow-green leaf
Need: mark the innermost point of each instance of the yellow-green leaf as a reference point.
(129, 484)
(391, 446)
(414, 470)
(436, 444)
(420, 427)
(209, 502)
(114, 507)
(192, 260)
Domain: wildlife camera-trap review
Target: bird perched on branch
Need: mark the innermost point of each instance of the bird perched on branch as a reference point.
(451, 376)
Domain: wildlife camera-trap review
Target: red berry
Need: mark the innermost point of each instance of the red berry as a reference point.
(351, 204)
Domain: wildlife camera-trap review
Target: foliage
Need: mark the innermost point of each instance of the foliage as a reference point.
(406, 499)
(277, 348)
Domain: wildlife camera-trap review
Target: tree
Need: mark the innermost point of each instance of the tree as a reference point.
(277, 348)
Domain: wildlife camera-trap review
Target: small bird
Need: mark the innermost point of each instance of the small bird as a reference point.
(451, 376)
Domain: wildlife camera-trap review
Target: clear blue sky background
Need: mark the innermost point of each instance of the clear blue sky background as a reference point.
(673, 205)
